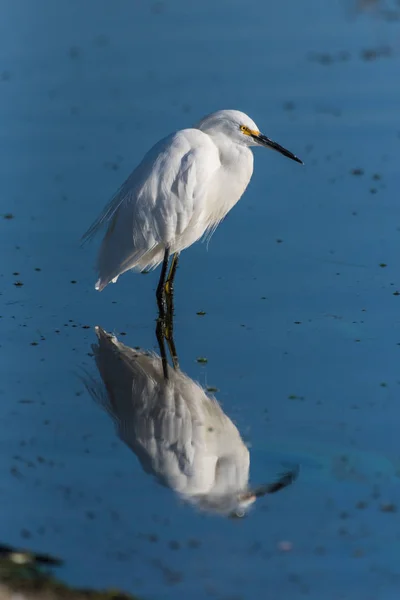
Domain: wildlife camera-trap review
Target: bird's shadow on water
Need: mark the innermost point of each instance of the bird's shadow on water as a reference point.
(179, 433)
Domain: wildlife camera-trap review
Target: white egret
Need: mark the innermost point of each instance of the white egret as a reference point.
(180, 192)
(179, 433)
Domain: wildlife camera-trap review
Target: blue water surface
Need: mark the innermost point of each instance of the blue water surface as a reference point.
(300, 286)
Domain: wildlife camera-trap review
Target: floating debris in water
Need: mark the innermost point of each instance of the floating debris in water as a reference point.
(370, 54)
(157, 8)
(174, 545)
(202, 360)
(324, 58)
(388, 507)
(367, 54)
(289, 105)
(75, 52)
(285, 546)
(101, 40)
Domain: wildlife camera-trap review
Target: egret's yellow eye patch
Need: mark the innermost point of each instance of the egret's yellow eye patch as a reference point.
(248, 131)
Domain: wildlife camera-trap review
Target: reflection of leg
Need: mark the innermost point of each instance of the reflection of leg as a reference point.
(169, 284)
(172, 351)
(169, 327)
(160, 293)
(160, 338)
(169, 336)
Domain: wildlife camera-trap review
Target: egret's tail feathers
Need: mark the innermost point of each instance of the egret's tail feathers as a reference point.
(102, 283)
(109, 211)
(138, 261)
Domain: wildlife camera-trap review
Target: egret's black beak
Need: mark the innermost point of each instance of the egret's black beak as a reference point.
(263, 140)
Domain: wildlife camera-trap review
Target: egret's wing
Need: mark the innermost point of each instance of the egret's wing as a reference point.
(164, 196)
(108, 212)
(125, 193)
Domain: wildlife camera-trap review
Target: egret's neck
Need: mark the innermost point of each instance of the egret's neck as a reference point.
(231, 151)
(230, 179)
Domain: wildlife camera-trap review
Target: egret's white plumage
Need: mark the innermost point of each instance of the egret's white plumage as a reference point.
(179, 433)
(182, 189)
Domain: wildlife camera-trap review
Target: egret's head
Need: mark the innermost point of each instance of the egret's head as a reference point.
(244, 502)
(236, 503)
(240, 129)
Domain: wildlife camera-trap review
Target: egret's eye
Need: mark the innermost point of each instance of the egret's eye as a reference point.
(245, 130)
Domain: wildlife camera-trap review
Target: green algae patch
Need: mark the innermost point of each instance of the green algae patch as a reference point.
(23, 574)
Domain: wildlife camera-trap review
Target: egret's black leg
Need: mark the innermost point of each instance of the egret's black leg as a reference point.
(160, 293)
(169, 284)
(169, 294)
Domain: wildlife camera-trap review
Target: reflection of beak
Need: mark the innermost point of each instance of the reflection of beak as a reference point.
(263, 140)
(270, 488)
(248, 497)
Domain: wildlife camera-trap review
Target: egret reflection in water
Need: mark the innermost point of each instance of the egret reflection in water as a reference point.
(179, 433)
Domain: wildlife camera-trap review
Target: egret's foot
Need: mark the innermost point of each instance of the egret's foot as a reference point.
(169, 287)
(167, 331)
